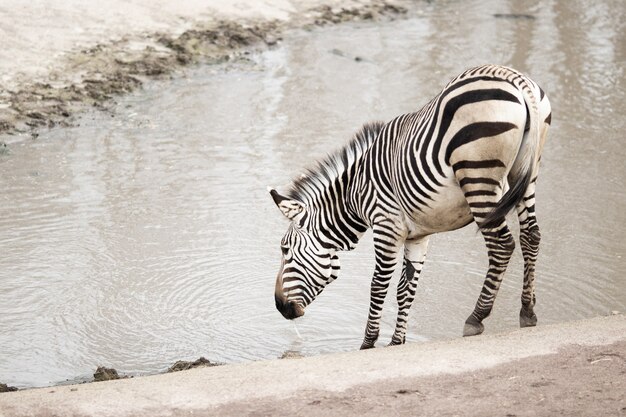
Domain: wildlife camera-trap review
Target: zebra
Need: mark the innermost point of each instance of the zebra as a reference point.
(470, 155)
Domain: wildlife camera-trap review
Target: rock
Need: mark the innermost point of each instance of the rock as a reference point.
(105, 374)
(198, 363)
(6, 388)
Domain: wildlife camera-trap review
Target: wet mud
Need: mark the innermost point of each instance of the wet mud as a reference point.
(94, 76)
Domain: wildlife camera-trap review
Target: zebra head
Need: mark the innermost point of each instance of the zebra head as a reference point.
(308, 263)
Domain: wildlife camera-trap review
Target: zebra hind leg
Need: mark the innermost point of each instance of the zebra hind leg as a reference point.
(481, 182)
(414, 255)
(529, 241)
(500, 246)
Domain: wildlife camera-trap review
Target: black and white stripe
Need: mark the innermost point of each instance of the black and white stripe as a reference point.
(470, 154)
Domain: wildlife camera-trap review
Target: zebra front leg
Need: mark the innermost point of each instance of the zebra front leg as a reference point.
(387, 250)
(500, 246)
(414, 255)
(529, 241)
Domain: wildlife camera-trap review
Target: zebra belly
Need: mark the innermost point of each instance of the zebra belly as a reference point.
(448, 210)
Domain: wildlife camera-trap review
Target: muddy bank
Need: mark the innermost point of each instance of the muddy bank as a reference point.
(93, 76)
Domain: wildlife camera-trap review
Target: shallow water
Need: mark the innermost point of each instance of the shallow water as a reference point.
(145, 235)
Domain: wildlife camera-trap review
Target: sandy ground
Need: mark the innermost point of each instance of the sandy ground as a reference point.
(577, 381)
(57, 57)
(575, 368)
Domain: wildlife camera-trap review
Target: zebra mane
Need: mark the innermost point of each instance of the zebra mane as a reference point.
(307, 187)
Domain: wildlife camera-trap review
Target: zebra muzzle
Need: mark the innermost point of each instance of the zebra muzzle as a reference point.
(289, 309)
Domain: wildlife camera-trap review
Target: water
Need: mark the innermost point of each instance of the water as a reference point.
(146, 235)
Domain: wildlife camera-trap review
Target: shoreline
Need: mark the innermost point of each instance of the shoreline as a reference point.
(563, 358)
(92, 76)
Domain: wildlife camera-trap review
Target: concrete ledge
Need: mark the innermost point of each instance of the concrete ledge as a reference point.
(207, 388)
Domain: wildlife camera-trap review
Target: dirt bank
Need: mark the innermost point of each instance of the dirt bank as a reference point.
(575, 368)
(92, 76)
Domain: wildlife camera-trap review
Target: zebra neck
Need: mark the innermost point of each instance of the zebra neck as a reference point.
(329, 191)
(339, 224)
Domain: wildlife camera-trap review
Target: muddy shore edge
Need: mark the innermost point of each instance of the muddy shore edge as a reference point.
(92, 77)
(573, 368)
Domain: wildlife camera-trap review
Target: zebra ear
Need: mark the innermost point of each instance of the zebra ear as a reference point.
(290, 208)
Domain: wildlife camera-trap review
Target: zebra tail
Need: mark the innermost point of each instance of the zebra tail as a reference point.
(523, 167)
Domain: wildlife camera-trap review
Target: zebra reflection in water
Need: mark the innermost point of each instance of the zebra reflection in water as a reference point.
(471, 154)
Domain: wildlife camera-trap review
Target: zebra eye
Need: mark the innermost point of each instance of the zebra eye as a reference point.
(284, 250)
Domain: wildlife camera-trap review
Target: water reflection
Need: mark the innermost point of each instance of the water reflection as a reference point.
(145, 235)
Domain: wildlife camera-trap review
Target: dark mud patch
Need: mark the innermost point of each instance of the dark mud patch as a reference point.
(216, 42)
(94, 76)
(330, 15)
(291, 354)
(514, 16)
(201, 362)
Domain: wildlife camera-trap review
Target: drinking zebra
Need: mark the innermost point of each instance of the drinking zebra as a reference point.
(470, 154)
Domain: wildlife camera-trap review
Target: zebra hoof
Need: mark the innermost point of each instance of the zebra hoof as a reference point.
(472, 327)
(527, 318)
(396, 342)
(367, 344)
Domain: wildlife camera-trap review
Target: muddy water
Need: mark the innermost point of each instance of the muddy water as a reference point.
(145, 235)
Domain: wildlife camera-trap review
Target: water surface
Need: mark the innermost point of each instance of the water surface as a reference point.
(145, 235)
